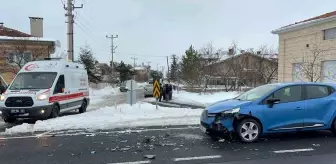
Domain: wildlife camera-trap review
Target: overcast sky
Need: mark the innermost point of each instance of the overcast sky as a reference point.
(151, 28)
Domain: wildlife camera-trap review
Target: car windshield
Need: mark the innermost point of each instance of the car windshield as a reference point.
(256, 93)
(33, 80)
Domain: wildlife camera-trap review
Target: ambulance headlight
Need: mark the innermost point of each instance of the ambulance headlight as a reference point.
(2, 98)
(42, 97)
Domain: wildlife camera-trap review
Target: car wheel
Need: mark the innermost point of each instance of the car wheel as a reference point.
(9, 120)
(82, 109)
(55, 111)
(333, 127)
(249, 130)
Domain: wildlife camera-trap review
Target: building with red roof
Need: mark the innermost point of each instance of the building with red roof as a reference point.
(18, 48)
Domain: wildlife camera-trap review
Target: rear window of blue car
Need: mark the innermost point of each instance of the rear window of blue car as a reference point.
(318, 91)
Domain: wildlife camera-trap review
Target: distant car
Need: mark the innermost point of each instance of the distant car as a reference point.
(123, 89)
(148, 90)
(272, 108)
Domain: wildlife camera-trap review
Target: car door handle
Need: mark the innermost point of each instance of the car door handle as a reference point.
(298, 108)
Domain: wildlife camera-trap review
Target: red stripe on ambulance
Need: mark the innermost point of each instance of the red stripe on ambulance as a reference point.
(67, 97)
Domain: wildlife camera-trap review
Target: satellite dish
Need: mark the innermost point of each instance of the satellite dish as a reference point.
(58, 43)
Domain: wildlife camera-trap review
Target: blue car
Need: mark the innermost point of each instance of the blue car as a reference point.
(272, 108)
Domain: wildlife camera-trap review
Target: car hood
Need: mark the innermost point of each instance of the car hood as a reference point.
(226, 105)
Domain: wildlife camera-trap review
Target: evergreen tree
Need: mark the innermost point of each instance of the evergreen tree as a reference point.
(125, 71)
(156, 74)
(190, 67)
(90, 63)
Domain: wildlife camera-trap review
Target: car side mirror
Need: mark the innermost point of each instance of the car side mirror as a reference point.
(270, 102)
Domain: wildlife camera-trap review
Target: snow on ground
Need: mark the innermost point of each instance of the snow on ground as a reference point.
(142, 114)
(141, 85)
(96, 96)
(201, 99)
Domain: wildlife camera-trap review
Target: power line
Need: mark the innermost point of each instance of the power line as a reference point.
(85, 31)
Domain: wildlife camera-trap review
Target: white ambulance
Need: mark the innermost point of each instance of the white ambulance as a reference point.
(43, 89)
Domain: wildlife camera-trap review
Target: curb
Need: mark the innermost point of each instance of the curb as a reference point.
(177, 105)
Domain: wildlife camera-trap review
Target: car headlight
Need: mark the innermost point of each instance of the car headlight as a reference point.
(2, 98)
(42, 97)
(232, 111)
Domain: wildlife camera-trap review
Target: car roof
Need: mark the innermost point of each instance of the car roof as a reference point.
(303, 83)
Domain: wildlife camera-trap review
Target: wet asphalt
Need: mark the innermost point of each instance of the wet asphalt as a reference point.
(176, 144)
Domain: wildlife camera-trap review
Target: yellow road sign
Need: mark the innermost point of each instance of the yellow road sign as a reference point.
(156, 89)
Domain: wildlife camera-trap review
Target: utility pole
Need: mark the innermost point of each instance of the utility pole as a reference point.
(134, 58)
(113, 48)
(148, 69)
(69, 8)
(168, 70)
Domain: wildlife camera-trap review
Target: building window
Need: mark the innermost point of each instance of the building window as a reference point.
(297, 74)
(329, 71)
(330, 34)
(19, 58)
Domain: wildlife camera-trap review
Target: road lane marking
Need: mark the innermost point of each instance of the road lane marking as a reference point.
(135, 162)
(293, 150)
(43, 134)
(197, 158)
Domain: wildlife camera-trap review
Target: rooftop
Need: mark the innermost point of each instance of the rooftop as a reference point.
(308, 22)
(7, 33)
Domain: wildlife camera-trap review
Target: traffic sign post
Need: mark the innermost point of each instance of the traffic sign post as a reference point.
(131, 95)
(156, 91)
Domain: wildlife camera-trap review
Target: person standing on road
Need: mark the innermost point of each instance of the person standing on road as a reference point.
(161, 92)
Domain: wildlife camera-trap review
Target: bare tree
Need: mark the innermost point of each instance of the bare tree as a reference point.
(231, 71)
(310, 64)
(19, 53)
(209, 57)
(266, 66)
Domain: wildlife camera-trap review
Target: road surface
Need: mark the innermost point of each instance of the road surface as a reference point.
(180, 144)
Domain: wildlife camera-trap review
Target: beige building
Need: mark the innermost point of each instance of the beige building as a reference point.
(307, 50)
(18, 48)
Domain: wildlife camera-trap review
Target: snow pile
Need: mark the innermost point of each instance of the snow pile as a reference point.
(97, 96)
(141, 85)
(109, 117)
(202, 99)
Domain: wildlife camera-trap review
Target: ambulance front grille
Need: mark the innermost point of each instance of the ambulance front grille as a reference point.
(19, 102)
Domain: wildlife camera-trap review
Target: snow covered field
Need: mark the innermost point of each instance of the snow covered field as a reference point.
(203, 99)
(96, 96)
(111, 117)
(126, 116)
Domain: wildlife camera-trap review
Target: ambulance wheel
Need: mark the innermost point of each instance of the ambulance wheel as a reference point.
(82, 109)
(9, 120)
(55, 111)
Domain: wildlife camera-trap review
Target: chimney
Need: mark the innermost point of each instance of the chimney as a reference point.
(231, 52)
(242, 51)
(36, 26)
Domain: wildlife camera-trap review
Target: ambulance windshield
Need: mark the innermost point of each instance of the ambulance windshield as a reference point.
(33, 80)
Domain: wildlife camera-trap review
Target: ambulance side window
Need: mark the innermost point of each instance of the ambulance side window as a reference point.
(59, 85)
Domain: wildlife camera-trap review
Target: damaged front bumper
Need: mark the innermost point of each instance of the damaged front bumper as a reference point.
(217, 123)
